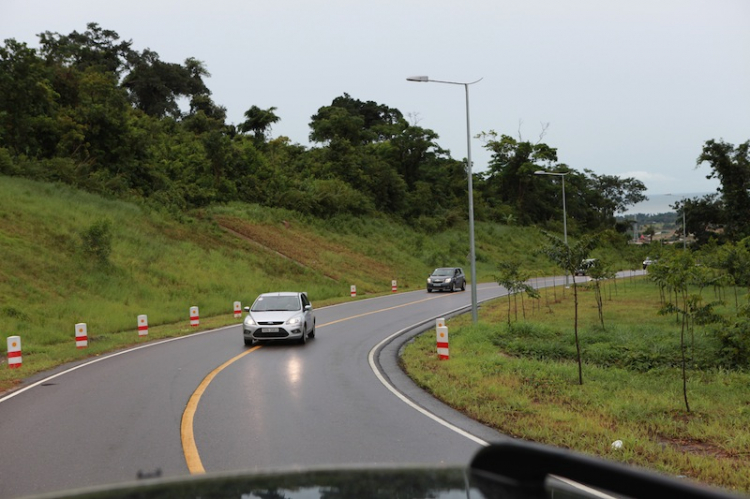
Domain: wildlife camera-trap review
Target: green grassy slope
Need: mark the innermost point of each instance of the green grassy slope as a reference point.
(160, 266)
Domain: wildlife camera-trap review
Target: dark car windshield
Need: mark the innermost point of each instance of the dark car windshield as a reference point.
(276, 303)
(447, 271)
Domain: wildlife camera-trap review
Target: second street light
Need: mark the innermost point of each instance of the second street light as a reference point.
(565, 213)
(472, 255)
(684, 225)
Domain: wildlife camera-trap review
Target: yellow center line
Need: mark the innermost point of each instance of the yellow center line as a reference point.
(189, 448)
(192, 458)
(377, 311)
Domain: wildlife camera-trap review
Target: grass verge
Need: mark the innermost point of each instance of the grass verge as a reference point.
(523, 381)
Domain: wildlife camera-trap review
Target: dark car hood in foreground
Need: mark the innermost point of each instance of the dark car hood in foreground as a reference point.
(512, 470)
(309, 484)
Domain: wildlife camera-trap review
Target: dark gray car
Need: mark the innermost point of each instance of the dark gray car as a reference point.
(447, 279)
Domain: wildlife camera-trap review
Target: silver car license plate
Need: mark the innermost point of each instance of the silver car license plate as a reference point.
(270, 330)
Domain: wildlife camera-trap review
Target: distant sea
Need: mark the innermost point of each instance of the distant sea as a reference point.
(659, 203)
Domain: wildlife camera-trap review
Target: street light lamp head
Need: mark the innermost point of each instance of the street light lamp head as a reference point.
(542, 172)
(418, 78)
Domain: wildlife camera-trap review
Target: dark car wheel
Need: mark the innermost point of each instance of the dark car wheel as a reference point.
(303, 340)
(429, 290)
(312, 333)
(249, 342)
(463, 286)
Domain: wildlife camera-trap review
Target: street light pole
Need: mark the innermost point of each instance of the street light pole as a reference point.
(472, 254)
(684, 225)
(565, 212)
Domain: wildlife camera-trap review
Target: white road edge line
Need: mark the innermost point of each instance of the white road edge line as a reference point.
(15, 393)
(389, 386)
(106, 357)
(425, 412)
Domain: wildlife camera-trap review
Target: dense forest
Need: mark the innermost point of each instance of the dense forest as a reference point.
(88, 110)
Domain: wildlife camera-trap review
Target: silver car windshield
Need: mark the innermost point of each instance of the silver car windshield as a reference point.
(276, 304)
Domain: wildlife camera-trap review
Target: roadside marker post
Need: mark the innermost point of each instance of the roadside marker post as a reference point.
(142, 325)
(353, 290)
(442, 339)
(237, 309)
(14, 352)
(194, 317)
(394, 288)
(82, 335)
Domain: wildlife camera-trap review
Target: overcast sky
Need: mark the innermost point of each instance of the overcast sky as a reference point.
(628, 87)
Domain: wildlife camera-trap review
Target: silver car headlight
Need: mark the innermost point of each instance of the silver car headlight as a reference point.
(447, 281)
(294, 320)
(249, 321)
(429, 281)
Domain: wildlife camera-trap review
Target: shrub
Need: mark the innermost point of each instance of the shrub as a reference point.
(97, 241)
(735, 344)
(6, 163)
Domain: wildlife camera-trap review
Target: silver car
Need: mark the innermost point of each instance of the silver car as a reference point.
(279, 316)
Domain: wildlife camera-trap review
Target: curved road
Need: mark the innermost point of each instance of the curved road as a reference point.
(329, 402)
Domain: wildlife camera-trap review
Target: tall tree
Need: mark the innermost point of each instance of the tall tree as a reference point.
(155, 86)
(703, 217)
(610, 194)
(28, 102)
(94, 48)
(97, 129)
(570, 259)
(355, 121)
(259, 121)
(731, 165)
(411, 150)
(510, 176)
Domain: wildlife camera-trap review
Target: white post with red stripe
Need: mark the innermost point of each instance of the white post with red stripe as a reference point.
(82, 335)
(237, 309)
(14, 352)
(393, 287)
(142, 325)
(194, 317)
(442, 339)
(354, 290)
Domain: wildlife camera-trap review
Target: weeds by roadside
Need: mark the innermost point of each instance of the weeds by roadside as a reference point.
(521, 380)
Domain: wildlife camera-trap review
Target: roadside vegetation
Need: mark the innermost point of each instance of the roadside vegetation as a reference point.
(68, 256)
(117, 201)
(523, 379)
(90, 110)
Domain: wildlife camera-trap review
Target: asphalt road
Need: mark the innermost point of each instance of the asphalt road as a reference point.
(339, 399)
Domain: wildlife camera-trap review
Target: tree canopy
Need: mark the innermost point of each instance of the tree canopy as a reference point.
(88, 109)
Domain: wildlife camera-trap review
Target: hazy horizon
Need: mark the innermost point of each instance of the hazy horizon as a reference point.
(659, 203)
